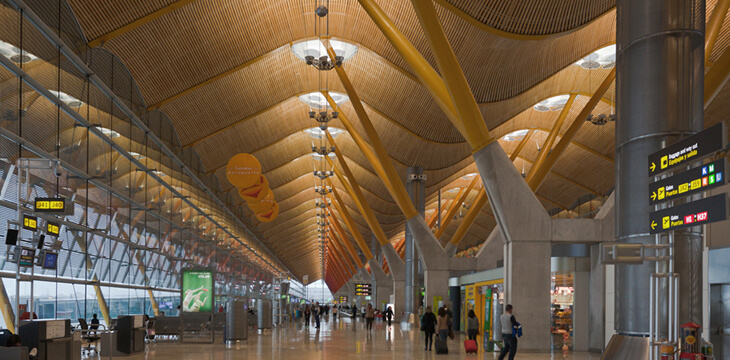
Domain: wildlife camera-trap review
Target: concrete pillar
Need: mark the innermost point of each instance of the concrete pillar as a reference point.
(596, 302)
(527, 285)
(581, 308)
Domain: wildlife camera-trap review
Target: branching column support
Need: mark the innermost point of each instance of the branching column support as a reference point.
(712, 30)
(340, 206)
(343, 236)
(6, 308)
(455, 206)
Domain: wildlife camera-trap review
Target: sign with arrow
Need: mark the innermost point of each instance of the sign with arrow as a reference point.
(693, 148)
(695, 213)
(689, 182)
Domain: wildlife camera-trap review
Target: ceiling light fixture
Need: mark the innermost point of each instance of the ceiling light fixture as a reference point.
(515, 135)
(554, 103)
(15, 54)
(67, 99)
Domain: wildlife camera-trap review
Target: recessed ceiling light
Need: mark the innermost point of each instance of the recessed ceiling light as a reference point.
(515, 135)
(108, 132)
(15, 54)
(554, 103)
(603, 58)
(318, 133)
(317, 101)
(316, 49)
(67, 99)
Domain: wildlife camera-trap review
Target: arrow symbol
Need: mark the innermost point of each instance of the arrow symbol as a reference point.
(652, 167)
(653, 196)
(653, 224)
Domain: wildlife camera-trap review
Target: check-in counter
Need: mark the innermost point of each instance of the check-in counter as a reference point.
(51, 338)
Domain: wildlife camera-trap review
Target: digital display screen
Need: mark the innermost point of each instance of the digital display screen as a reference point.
(26, 257)
(30, 223)
(57, 205)
(52, 229)
(50, 260)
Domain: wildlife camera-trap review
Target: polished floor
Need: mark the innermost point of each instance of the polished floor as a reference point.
(341, 340)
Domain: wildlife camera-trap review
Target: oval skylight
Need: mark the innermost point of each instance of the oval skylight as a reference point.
(15, 54)
(553, 104)
(67, 99)
(319, 157)
(108, 132)
(604, 58)
(318, 133)
(515, 135)
(316, 49)
(317, 101)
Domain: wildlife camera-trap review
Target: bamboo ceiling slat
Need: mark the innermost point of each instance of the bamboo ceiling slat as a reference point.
(534, 17)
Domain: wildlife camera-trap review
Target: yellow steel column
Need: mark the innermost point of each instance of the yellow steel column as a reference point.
(423, 70)
(336, 247)
(345, 240)
(353, 188)
(712, 30)
(541, 172)
(716, 77)
(340, 206)
(432, 220)
(481, 200)
(467, 109)
(6, 308)
(548, 144)
(455, 207)
(471, 215)
(103, 307)
(380, 160)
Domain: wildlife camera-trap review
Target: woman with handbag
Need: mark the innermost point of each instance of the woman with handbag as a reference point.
(428, 325)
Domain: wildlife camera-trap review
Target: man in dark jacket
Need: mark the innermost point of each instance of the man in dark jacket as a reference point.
(509, 325)
(428, 325)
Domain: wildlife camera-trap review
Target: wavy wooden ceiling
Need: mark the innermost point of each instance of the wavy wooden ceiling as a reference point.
(254, 108)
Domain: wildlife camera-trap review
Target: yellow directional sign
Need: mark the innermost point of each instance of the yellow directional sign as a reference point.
(653, 225)
(52, 229)
(30, 223)
(50, 205)
(652, 167)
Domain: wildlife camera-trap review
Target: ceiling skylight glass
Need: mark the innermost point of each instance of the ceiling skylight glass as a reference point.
(515, 135)
(316, 49)
(604, 58)
(318, 133)
(109, 132)
(317, 101)
(319, 157)
(554, 103)
(67, 99)
(15, 54)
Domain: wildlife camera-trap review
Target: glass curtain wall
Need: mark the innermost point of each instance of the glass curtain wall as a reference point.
(138, 216)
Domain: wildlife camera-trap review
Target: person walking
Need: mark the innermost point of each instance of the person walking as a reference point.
(389, 315)
(509, 325)
(472, 328)
(442, 324)
(307, 314)
(334, 314)
(317, 312)
(354, 312)
(428, 326)
(369, 316)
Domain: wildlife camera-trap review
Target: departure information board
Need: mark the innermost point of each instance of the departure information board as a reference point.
(363, 289)
(695, 213)
(693, 148)
(689, 182)
(52, 228)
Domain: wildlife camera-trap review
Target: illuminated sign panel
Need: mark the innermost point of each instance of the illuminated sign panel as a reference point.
(695, 147)
(52, 228)
(27, 255)
(689, 182)
(30, 223)
(696, 213)
(53, 205)
(363, 289)
(343, 299)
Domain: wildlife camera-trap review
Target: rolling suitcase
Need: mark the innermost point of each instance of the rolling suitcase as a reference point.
(470, 346)
(441, 347)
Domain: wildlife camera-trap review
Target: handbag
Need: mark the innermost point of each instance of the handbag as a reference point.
(451, 334)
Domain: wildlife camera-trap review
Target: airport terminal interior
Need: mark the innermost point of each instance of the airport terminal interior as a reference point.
(365, 179)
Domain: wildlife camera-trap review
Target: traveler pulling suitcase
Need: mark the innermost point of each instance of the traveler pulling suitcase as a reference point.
(470, 346)
(441, 347)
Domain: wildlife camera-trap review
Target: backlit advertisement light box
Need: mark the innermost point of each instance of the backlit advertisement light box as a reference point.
(197, 291)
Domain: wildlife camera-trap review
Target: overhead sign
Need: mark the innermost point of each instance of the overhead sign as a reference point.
(52, 228)
(30, 222)
(343, 299)
(689, 182)
(27, 255)
(363, 289)
(696, 213)
(53, 205)
(693, 148)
